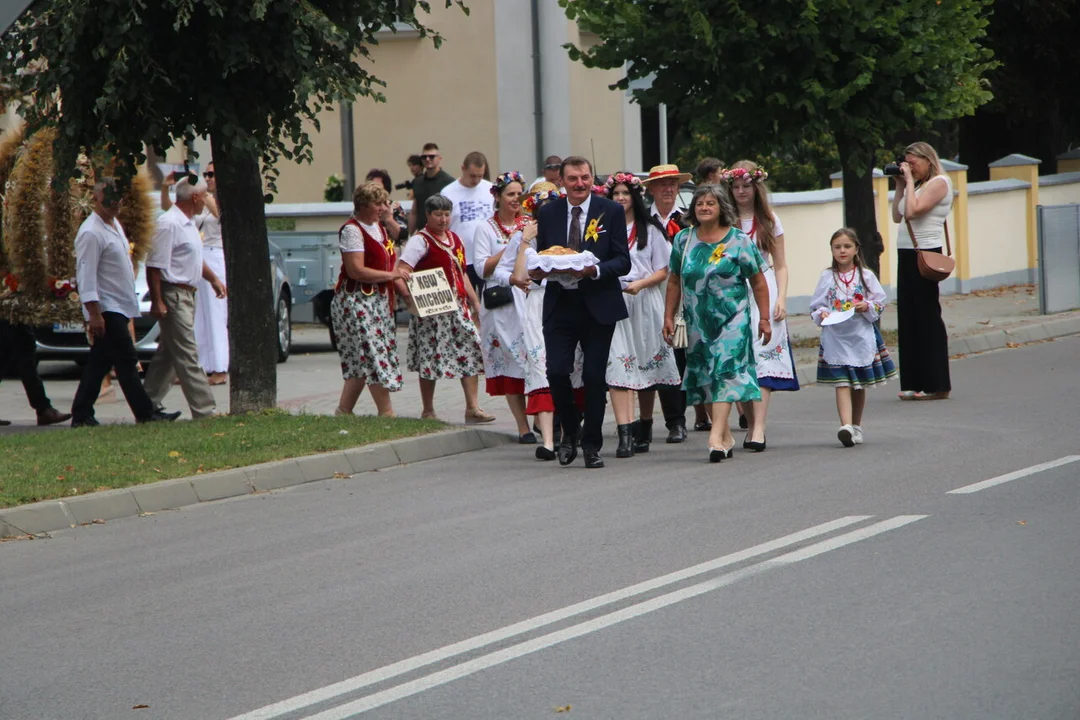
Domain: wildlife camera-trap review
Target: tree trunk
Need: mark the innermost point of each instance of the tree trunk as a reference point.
(859, 214)
(252, 323)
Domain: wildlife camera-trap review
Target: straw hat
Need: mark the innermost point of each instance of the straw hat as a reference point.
(663, 172)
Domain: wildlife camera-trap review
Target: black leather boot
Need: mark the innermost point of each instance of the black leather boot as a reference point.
(677, 432)
(642, 435)
(626, 441)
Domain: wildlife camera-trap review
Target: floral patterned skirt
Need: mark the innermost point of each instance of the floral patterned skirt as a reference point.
(639, 358)
(444, 347)
(881, 370)
(775, 363)
(366, 338)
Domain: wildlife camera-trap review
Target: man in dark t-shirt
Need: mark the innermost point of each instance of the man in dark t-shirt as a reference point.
(428, 183)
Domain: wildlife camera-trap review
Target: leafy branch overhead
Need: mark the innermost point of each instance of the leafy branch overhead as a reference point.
(256, 73)
(860, 69)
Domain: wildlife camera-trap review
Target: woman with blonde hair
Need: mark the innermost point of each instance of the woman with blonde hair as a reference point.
(362, 311)
(923, 199)
(745, 182)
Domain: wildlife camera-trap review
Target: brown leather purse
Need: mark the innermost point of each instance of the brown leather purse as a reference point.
(933, 266)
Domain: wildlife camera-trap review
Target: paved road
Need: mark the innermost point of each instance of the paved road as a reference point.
(809, 582)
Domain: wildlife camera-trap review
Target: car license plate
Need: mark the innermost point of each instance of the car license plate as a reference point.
(67, 327)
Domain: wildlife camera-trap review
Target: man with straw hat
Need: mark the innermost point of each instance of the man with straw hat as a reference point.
(663, 184)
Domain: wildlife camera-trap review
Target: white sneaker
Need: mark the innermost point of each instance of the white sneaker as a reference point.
(845, 433)
(856, 434)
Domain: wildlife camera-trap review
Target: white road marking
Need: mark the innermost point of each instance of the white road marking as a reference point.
(408, 665)
(976, 487)
(442, 677)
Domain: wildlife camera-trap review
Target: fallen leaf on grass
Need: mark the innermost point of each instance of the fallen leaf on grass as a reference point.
(1012, 345)
(343, 432)
(61, 477)
(174, 453)
(157, 470)
(563, 709)
(342, 475)
(218, 434)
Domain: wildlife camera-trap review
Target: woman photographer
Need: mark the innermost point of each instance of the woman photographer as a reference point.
(923, 199)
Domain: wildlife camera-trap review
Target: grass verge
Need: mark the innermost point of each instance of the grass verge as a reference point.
(57, 464)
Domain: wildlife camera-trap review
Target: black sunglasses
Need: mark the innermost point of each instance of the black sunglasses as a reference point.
(208, 174)
(428, 157)
(553, 166)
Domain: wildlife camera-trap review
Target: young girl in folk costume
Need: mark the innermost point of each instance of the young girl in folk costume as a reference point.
(540, 404)
(775, 363)
(639, 359)
(445, 346)
(502, 339)
(852, 356)
(362, 311)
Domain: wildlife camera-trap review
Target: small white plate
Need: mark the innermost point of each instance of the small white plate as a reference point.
(835, 318)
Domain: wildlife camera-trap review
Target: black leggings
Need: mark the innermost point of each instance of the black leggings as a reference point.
(924, 342)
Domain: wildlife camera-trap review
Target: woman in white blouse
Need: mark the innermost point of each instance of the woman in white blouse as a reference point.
(639, 360)
(502, 339)
(923, 199)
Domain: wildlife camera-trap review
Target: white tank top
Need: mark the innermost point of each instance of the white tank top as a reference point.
(930, 227)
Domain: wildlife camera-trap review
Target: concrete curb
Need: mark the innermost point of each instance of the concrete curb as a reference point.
(52, 515)
(983, 342)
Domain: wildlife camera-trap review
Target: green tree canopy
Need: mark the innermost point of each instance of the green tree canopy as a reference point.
(248, 74)
(861, 71)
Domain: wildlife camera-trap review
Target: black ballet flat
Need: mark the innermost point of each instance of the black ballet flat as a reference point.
(542, 453)
(703, 426)
(716, 456)
(755, 446)
(527, 439)
(743, 424)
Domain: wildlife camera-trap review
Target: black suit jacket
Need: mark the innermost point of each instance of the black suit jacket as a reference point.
(603, 296)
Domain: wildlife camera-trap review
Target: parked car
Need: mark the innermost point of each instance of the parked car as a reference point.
(67, 341)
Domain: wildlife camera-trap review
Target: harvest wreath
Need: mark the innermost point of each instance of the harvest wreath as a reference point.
(39, 218)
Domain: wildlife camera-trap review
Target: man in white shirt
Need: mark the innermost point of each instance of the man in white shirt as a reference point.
(173, 270)
(473, 204)
(106, 282)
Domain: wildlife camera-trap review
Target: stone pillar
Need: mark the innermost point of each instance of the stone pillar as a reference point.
(958, 224)
(885, 226)
(1022, 167)
(1069, 161)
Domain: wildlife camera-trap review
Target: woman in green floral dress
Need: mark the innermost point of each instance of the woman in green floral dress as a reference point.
(711, 262)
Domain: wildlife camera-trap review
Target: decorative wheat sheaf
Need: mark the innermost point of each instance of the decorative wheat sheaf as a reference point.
(40, 220)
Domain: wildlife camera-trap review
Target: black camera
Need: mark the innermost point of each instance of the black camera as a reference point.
(407, 185)
(893, 168)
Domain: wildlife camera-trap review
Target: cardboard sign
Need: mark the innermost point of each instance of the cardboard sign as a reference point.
(431, 293)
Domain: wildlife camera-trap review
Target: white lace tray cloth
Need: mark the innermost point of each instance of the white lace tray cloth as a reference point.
(562, 263)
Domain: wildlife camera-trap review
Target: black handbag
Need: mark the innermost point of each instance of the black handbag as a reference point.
(495, 296)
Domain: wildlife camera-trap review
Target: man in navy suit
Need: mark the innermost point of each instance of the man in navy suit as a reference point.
(582, 307)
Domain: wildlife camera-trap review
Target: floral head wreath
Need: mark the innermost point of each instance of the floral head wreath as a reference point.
(630, 180)
(536, 199)
(500, 183)
(731, 175)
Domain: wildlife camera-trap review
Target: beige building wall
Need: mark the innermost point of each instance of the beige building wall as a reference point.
(596, 123)
(1059, 194)
(998, 232)
(446, 96)
(806, 240)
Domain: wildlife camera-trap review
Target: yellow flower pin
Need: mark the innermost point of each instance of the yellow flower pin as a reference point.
(461, 257)
(717, 254)
(592, 233)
